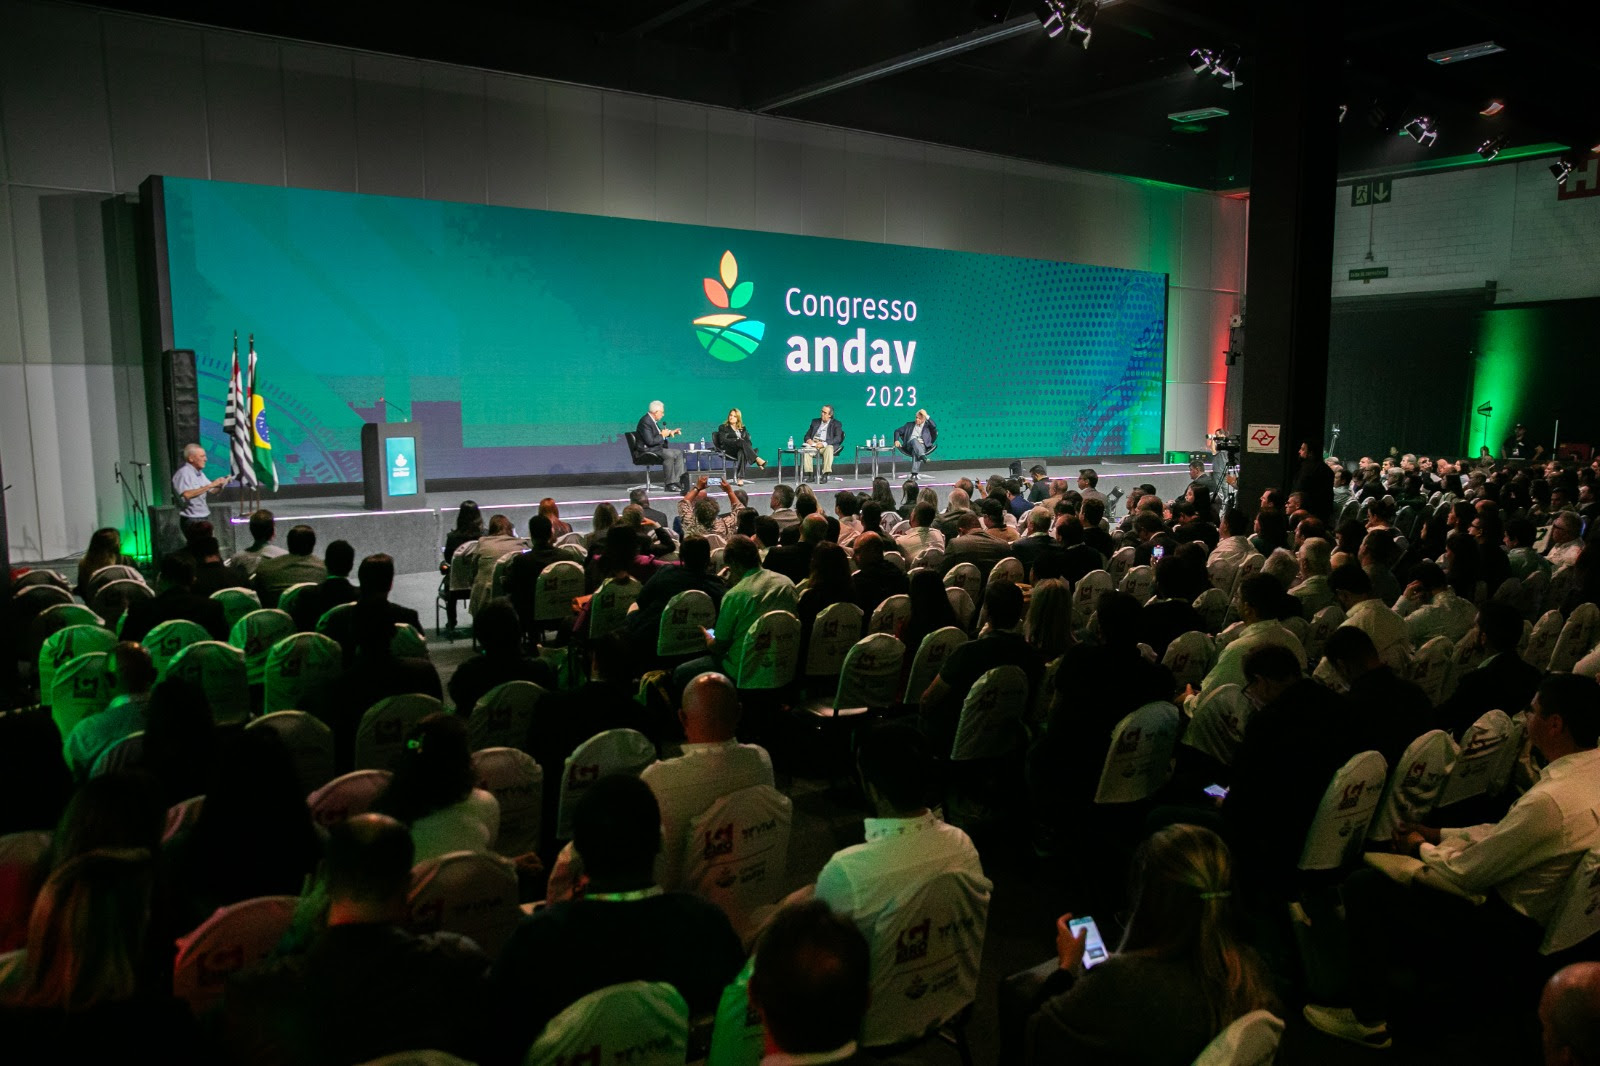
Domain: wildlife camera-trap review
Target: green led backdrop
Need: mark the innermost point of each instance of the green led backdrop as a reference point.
(526, 342)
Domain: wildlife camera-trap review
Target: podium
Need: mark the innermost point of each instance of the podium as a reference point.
(391, 466)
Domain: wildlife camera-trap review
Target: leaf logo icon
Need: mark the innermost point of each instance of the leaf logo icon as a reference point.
(729, 337)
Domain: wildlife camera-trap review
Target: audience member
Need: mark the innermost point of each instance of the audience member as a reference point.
(130, 673)
(752, 592)
(336, 588)
(522, 577)
(432, 792)
(713, 764)
(1312, 589)
(1503, 680)
(793, 561)
(1000, 643)
(1387, 708)
(1259, 599)
(498, 542)
(263, 530)
(105, 549)
(176, 599)
(1171, 612)
(1352, 588)
(1431, 608)
(876, 578)
(1569, 1015)
(692, 572)
(811, 985)
(622, 927)
(297, 566)
(373, 613)
(970, 545)
(1039, 540)
(930, 612)
(921, 536)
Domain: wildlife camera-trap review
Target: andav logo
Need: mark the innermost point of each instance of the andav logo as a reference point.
(729, 337)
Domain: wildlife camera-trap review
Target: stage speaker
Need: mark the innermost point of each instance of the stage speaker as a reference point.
(1021, 467)
(180, 402)
(167, 535)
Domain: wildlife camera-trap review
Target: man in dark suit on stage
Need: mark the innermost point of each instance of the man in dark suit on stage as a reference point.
(916, 439)
(824, 437)
(653, 439)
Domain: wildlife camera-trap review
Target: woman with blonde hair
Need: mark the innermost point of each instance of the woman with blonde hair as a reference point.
(1049, 624)
(733, 441)
(1180, 961)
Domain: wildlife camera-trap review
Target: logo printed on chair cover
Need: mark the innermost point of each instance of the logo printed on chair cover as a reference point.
(429, 915)
(584, 775)
(586, 1058)
(1351, 797)
(751, 831)
(719, 841)
(217, 966)
(85, 685)
(1128, 743)
(912, 943)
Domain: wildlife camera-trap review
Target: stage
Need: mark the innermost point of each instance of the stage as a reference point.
(415, 536)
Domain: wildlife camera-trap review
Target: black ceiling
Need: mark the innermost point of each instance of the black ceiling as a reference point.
(981, 74)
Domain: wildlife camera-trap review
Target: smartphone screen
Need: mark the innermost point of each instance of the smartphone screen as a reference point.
(1216, 791)
(1157, 553)
(712, 633)
(1094, 948)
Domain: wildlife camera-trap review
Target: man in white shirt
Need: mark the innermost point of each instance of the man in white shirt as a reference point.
(1312, 591)
(1352, 588)
(1521, 863)
(713, 765)
(1431, 607)
(921, 536)
(1259, 598)
(907, 845)
(190, 487)
(1565, 545)
(263, 528)
(811, 984)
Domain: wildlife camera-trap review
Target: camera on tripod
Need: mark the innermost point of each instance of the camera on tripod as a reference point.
(1229, 443)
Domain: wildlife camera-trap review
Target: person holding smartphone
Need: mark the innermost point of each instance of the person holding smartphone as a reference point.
(1180, 960)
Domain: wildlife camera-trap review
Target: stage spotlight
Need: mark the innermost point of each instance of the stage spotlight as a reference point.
(1223, 62)
(1491, 148)
(1561, 170)
(1052, 16)
(1081, 21)
(1202, 60)
(1422, 130)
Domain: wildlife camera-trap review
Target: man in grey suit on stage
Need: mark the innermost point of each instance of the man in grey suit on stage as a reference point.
(653, 438)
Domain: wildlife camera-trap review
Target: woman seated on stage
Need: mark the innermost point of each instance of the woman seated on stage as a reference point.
(733, 441)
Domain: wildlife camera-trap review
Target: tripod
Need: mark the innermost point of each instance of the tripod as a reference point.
(135, 494)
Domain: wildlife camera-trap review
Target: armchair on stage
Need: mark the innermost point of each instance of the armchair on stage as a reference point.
(644, 457)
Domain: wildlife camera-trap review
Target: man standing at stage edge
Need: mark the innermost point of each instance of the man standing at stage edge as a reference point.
(190, 487)
(653, 438)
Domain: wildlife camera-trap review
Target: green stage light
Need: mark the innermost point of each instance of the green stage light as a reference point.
(1505, 341)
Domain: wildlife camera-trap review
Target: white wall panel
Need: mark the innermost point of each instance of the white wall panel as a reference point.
(16, 444)
(904, 200)
(1185, 428)
(389, 126)
(65, 314)
(575, 167)
(865, 177)
(629, 155)
(156, 81)
(453, 129)
(53, 90)
(780, 154)
(53, 472)
(517, 142)
(10, 315)
(681, 175)
(244, 108)
(822, 180)
(319, 118)
(731, 169)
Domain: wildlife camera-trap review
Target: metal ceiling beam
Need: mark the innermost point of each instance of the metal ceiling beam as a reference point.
(671, 14)
(907, 61)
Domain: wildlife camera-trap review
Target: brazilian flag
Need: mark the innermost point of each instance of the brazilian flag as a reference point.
(260, 437)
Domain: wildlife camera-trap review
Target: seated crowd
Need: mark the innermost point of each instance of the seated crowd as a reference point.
(244, 814)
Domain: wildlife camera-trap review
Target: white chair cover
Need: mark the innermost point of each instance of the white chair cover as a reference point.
(331, 615)
(933, 558)
(898, 559)
(1139, 582)
(737, 1036)
(991, 715)
(381, 735)
(1086, 596)
(255, 634)
(1140, 757)
(1212, 604)
(1223, 570)
(1577, 638)
(407, 643)
(81, 687)
(1217, 725)
(736, 853)
(770, 652)
(1429, 664)
(236, 603)
(962, 604)
(558, 585)
(310, 744)
(106, 575)
(1008, 569)
(219, 669)
(571, 538)
(608, 610)
(473, 893)
(1249, 1040)
(232, 939)
(1577, 916)
(113, 599)
(1532, 597)
(514, 779)
(1415, 785)
(869, 677)
(1323, 623)
(463, 567)
(500, 571)
(1542, 642)
(890, 615)
(1046, 693)
(125, 753)
(833, 632)
(346, 795)
(64, 645)
(681, 622)
(1120, 563)
(639, 1023)
(1190, 657)
(166, 640)
(298, 667)
(1467, 655)
(1341, 821)
(616, 751)
(931, 654)
(182, 816)
(290, 597)
(503, 715)
(1478, 758)
(925, 954)
(967, 577)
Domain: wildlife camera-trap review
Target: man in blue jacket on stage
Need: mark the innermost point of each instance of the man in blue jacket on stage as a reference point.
(916, 438)
(824, 437)
(653, 438)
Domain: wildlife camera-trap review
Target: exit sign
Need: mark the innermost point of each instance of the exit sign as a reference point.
(1368, 273)
(1366, 193)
